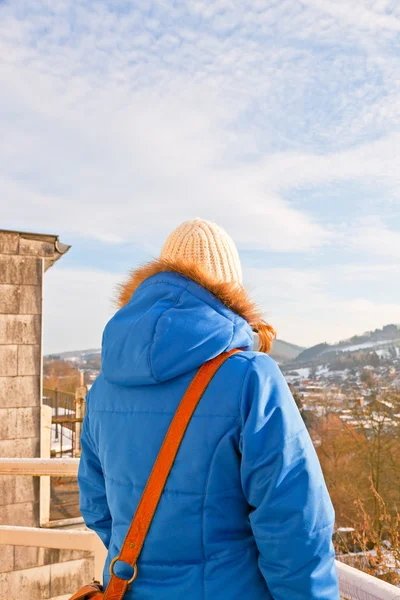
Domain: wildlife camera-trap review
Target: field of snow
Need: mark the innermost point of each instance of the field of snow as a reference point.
(62, 431)
(363, 346)
(384, 352)
(304, 372)
(66, 439)
(298, 374)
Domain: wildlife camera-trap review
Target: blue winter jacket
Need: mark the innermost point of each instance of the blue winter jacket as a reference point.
(245, 512)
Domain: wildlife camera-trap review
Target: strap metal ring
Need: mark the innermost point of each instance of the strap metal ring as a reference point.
(135, 570)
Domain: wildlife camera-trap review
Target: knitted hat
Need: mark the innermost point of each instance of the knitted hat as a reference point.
(207, 245)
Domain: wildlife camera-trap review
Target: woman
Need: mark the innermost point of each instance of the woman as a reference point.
(245, 512)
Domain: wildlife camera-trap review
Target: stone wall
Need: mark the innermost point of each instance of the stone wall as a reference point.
(41, 573)
(21, 275)
(27, 573)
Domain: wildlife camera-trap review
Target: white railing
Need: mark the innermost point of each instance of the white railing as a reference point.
(53, 467)
(43, 537)
(61, 539)
(357, 585)
(353, 583)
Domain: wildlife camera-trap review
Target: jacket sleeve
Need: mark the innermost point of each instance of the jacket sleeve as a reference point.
(291, 513)
(92, 493)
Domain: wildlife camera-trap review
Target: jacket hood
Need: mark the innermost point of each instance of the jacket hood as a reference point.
(173, 318)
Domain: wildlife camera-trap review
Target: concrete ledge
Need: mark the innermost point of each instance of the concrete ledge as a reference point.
(70, 576)
(32, 247)
(355, 584)
(29, 584)
(58, 580)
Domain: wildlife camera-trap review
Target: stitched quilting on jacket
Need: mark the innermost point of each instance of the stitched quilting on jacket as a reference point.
(245, 512)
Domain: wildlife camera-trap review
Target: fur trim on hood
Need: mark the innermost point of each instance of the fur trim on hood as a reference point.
(232, 294)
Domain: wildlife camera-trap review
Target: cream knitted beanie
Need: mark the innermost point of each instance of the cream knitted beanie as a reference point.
(207, 245)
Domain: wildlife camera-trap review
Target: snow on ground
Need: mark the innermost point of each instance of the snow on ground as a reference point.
(62, 431)
(383, 353)
(364, 345)
(296, 375)
(304, 372)
(343, 374)
(66, 439)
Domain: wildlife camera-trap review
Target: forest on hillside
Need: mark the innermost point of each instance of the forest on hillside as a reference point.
(360, 459)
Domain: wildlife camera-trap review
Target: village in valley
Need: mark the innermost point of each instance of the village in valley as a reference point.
(326, 378)
(336, 378)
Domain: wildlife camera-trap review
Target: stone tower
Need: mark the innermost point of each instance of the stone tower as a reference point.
(24, 258)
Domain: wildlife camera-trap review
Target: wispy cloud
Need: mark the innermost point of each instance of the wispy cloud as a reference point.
(151, 160)
(370, 15)
(375, 162)
(119, 120)
(309, 306)
(374, 237)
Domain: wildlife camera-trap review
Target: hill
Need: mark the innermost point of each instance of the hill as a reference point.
(281, 352)
(284, 351)
(380, 341)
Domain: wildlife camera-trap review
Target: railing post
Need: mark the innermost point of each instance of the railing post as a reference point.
(45, 452)
(56, 410)
(100, 556)
(61, 440)
(80, 409)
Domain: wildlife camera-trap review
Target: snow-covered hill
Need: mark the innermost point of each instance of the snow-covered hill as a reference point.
(385, 342)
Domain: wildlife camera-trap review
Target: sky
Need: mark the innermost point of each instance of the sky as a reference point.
(278, 119)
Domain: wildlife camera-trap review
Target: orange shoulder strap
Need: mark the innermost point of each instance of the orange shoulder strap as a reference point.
(146, 509)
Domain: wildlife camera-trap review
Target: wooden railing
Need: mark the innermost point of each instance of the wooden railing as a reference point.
(354, 584)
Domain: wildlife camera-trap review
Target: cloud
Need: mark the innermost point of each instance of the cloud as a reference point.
(374, 162)
(309, 306)
(125, 167)
(121, 119)
(376, 273)
(372, 236)
(371, 15)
